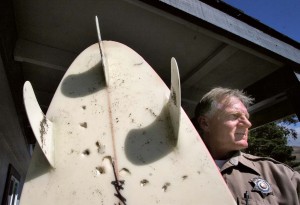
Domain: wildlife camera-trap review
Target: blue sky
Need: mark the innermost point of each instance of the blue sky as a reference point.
(281, 15)
(296, 142)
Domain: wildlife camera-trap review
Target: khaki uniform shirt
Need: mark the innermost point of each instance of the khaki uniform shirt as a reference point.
(242, 168)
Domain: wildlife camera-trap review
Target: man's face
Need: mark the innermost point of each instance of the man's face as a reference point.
(227, 129)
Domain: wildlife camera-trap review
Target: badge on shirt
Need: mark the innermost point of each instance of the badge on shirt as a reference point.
(261, 186)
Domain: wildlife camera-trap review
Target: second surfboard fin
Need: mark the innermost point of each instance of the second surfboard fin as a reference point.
(102, 55)
(40, 125)
(175, 98)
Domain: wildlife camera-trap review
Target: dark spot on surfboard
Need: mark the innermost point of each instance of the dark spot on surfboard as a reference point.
(144, 182)
(198, 172)
(129, 114)
(107, 158)
(165, 186)
(152, 112)
(136, 64)
(121, 82)
(184, 177)
(100, 147)
(83, 107)
(43, 129)
(124, 171)
(173, 97)
(86, 152)
(117, 120)
(83, 124)
(147, 142)
(141, 159)
(100, 170)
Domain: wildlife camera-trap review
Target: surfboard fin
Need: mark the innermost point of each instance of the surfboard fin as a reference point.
(175, 98)
(40, 125)
(102, 55)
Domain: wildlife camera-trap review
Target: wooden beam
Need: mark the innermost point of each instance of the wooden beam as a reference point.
(38, 54)
(216, 58)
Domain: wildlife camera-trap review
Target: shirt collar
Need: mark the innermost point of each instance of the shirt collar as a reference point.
(238, 159)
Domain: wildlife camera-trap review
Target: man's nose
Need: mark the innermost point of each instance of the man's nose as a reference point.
(246, 122)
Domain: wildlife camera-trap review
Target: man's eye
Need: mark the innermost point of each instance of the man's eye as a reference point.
(235, 116)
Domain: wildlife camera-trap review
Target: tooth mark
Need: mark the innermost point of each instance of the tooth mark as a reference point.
(101, 147)
(144, 182)
(84, 124)
(86, 152)
(100, 169)
(165, 186)
(184, 177)
(124, 172)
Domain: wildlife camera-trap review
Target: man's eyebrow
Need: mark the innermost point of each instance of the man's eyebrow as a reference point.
(239, 113)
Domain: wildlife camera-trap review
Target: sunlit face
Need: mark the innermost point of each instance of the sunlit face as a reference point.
(227, 129)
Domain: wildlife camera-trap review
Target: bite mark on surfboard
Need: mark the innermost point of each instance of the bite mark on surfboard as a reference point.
(144, 182)
(86, 152)
(100, 147)
(83, 124)
(166, 186)
(100, 170)
(125, 172)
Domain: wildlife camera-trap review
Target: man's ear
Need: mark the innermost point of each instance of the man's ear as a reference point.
(203, 123)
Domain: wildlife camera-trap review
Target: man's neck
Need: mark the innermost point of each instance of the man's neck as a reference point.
(222, 155)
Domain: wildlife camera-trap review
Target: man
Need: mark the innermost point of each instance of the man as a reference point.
(223, 123)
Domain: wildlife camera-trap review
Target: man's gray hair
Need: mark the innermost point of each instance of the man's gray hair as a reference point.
(209, 102)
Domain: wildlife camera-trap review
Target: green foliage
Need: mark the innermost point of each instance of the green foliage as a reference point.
(270, 140)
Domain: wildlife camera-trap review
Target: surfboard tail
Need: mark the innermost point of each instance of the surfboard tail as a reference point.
(40, 125)
(102, 55)
(175, 98)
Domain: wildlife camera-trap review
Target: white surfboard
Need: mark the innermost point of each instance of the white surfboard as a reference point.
(117, 138)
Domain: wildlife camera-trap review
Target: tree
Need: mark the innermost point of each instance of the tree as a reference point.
(270, 140)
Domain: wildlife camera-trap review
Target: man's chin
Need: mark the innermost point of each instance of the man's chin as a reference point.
(243, 145)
